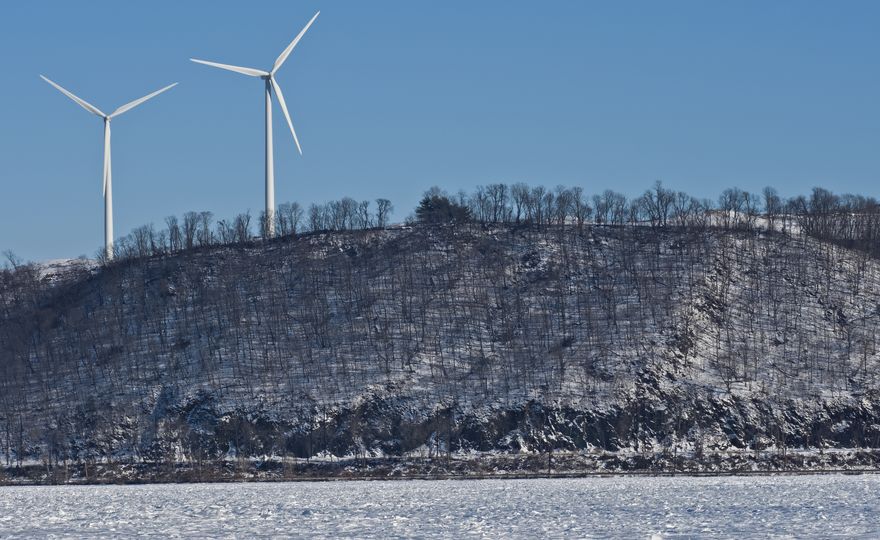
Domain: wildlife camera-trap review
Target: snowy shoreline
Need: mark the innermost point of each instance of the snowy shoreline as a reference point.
(456, 467)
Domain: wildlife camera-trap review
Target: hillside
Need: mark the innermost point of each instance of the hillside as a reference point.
(445, 341)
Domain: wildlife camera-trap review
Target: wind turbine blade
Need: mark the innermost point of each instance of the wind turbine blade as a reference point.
(243, 70)
(281, 102)
(284, 54)
(135, 103)
(81, 102)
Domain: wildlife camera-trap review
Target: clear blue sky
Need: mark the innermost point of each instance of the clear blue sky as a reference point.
(391, 97)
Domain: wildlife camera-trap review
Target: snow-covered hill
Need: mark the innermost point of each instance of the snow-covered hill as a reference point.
(436, 340)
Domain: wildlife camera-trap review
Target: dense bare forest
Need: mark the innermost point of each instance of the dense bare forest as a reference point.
(512, 320)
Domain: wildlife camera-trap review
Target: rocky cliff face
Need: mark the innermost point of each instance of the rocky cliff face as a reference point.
(445, 340)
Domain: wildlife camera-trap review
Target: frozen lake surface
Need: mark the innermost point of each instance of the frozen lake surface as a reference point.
(680, 507)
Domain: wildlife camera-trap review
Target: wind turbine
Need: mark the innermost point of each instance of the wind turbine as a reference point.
(108, 177)
(271, 86)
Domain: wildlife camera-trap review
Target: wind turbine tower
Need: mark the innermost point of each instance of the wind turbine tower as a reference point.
(108, 176)
(271, 86)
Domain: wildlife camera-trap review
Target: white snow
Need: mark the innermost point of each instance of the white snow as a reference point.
(619, 507)
(52, 268)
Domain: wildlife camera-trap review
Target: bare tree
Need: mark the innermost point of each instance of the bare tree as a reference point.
(772, 207)
(290, 216)
(12, 259)
(205, 235)
(519, 193)
(730, 203)
(316, 218)
(174, 241)
(190, 228)
(363, 220)
(383, 212)
(563, 201)
(242, 228)
(581, 208)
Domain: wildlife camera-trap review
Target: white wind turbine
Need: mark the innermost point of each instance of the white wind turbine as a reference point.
(108, 177)
(271, 85)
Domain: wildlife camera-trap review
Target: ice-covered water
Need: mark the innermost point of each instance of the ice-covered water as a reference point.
(680, 507)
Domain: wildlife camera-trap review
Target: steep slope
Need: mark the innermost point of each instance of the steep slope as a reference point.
(439, 339)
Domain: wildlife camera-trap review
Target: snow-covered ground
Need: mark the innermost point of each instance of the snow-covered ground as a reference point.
(52, 268)
(630, 507)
